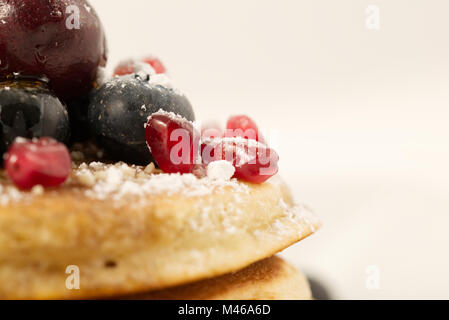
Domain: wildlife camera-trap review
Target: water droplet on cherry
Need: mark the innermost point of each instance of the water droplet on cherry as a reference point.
(56, 15)
(39, 56)
(4, 64)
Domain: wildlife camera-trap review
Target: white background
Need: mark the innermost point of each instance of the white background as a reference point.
(361, 118)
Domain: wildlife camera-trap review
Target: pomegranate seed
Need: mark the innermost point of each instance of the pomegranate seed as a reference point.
(262, 167)
(132, 66)
(243, 126)
(123, 69)
(156, 64)
(211, 150)
(173, 142)
(253, 161)
(43, 162)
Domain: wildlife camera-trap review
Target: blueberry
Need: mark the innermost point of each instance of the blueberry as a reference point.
(29, 110)
(119, 110)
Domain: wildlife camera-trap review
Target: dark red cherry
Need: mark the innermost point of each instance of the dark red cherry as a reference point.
(62, 40)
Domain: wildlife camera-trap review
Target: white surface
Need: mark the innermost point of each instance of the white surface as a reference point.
(361, 118)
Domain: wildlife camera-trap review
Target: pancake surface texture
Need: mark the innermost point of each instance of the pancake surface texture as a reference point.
(269, 279)
(131, 229)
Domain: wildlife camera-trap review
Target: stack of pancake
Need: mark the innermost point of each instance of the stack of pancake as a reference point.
(120, 231)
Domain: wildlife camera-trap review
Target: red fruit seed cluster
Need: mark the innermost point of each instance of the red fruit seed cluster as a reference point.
(253, 161)
(129, 66)
(174, 144)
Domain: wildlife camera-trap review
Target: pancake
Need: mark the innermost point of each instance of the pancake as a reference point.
(131, 229)
(269, 279)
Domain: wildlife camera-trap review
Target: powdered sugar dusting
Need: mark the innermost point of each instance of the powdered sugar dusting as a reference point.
(162, 80)
(243, 149)
(146, 71)
(121, 184)
(102, 76)
(143, 69)
(121, 180)
(220, 170)
(10, 194)
(173, 116)
(299, 216)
